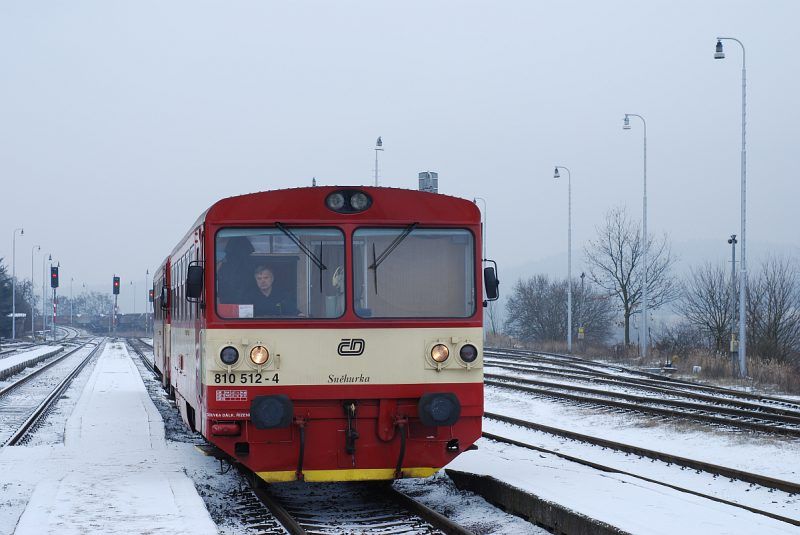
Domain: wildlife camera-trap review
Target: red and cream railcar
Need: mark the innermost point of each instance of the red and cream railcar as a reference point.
(161, 321)
(328, 333)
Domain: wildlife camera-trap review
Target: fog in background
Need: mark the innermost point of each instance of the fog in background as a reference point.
(121, 123)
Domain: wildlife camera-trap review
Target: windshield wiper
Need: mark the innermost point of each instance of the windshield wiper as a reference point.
(392, 246)
(309, 253)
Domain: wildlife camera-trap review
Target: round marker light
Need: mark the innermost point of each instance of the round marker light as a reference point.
(259, 355)
(335, 201)
(468, 353)
(229, 355)
(439, 353)
(359, 201)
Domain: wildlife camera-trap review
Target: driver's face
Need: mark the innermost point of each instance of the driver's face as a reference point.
(264, 280)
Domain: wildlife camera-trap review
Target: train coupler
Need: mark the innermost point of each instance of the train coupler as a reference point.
(301, 422)
(401, 422)
(351, 435)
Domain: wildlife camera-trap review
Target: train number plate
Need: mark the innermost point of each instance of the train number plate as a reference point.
(245, 378)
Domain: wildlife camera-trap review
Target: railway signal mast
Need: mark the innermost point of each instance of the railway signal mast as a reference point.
(54, 285)
(115, 289)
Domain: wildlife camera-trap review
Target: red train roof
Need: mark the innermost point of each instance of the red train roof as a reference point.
(308, 204)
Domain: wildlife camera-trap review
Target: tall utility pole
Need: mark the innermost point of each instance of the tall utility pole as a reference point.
(71, 279)
(14, 282)
(44, 297)
(719, 54)
(569, 253)
(378, 147)
(626, 125)
(55, 302)
(33, 293)
(732, 241)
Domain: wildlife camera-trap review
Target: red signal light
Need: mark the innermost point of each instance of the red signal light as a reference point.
(54, 276)
(116, 285)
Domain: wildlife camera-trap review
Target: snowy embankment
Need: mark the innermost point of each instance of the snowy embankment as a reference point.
(15, 363)
(629, 502)
(114, 473)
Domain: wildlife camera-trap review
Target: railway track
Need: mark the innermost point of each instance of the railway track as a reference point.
(588, 368)
(749, 477)
(775, 424)
(137, 345)
(721, 399)
(610, 469)
(337, 508)
(26, 401)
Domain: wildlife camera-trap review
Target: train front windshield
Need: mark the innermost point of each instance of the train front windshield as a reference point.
(280, 273)
(413, 273)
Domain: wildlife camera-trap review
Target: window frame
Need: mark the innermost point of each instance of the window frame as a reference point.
(292, 227)
(473, 279)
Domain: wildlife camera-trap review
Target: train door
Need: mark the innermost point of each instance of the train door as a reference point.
(199, 324)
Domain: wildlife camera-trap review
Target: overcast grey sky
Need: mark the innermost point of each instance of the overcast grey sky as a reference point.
(121, 122)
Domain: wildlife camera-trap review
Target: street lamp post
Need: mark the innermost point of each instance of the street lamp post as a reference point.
(14, 281)
(378, 147)
(626, 125)
(720, 54)
(569, 252)
(33, 292)
(134, 296)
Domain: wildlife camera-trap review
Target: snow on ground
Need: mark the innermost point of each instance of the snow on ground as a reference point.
(770, 455)
(471, 511)
(771, 500)
(635, 506)
(115, 472)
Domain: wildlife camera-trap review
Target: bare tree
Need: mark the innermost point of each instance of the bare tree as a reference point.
(536, 311)
(491, 313)
(680, 339)
(708, 301)
(92, 303)
(773, 311)
(615, 259)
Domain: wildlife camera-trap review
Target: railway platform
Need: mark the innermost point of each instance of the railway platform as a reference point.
(115, 471)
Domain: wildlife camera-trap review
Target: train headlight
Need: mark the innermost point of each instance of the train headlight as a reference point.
(439, 353)
(359, 201)
(468, 353)
(259, 355)
(335, 201)
(229, 355)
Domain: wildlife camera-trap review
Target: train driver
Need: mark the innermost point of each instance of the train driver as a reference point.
(267, 301)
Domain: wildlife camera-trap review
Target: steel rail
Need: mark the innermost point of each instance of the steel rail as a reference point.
(677, 390)
(297, 526)
(730, 411)
(23, 380)
(437, 520)
(749, 477)
(609, 469)
(149, 365)
(589, 366)
(774, 429)
(51, 399)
